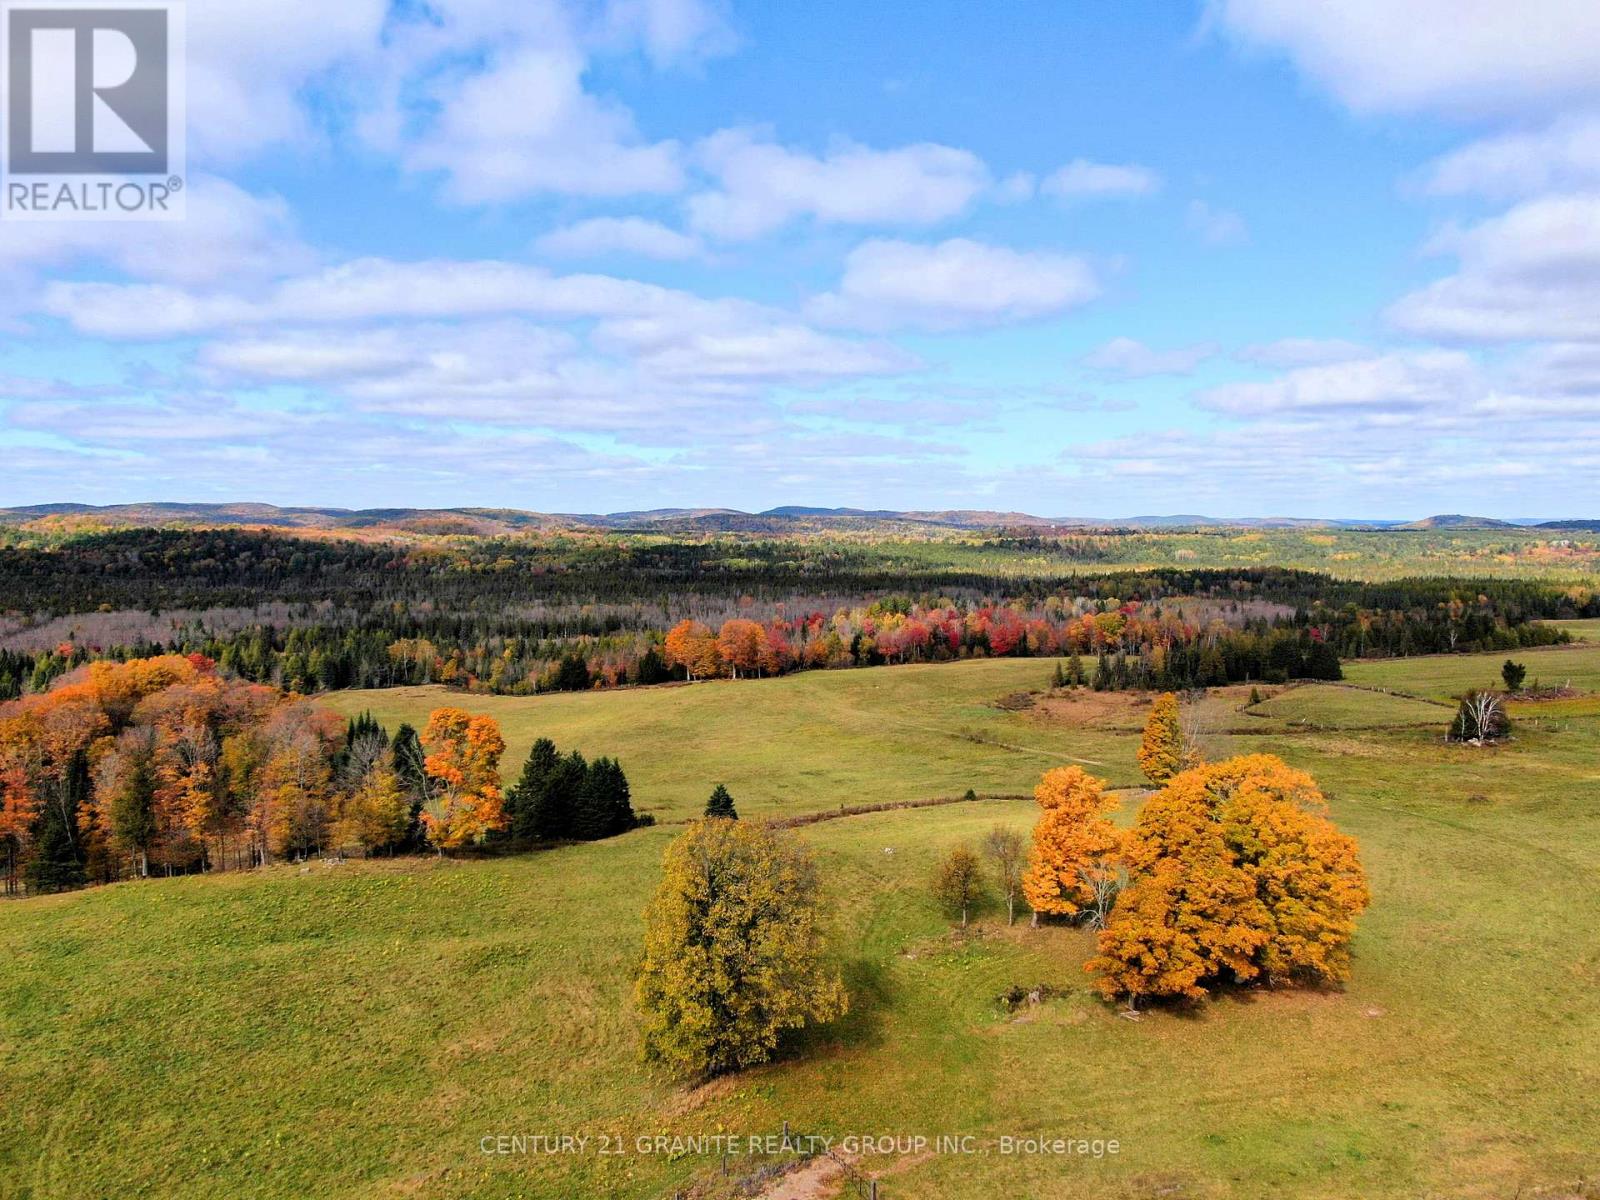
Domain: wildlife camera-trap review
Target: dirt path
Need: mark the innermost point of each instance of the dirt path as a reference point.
(816, 1180)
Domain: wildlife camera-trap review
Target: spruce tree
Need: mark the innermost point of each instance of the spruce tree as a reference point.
(555, 807)
(721, 804)
(133, 808)
(406, 754)
(620, 797)
(522, 800)
(57, 863)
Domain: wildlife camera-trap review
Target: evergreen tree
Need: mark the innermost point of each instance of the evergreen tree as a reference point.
(522, 800)
(133, 807)
(557, 802)
(408, 758)
(1102, 673)
(573, 674)
(1075, 674)
(1059, 678)
(721, 804)
(57, 863)
(602, 806)
(651, 668)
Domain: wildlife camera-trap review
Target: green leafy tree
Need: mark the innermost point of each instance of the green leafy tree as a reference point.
(734, 955)
(721, 804)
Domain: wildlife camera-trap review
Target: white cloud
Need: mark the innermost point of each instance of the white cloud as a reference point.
(952, 285)
(228, 234)
(1301, 352)
(1391, 386)
(1443, 55)
(1563, 157)
(1216, 226)
(618, 235)
(249, 65)
(1532, 273)
(762, 186)
(1134, 360)
(1082, 179)
(526, 125)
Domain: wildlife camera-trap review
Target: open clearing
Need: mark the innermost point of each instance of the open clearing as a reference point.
(1445, 676)
(1332, 706)
(357, 1030)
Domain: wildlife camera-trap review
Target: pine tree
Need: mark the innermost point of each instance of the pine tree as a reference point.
(1059, 678)
(57, 863)
(1102, 673)
(721, 804)
(1075, 670)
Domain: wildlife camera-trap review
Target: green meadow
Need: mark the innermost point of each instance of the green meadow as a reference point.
(358, 1030)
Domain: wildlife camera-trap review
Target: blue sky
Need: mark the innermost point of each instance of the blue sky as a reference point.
(1250, 257)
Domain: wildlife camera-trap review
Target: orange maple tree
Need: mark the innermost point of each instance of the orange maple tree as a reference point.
(1073, 865)
(463, 764)
(1235, 876)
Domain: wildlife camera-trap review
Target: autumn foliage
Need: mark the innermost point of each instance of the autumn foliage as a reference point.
(165, 764)
(1235, 877)
(1163, 752)
(1073, 865)
(463, 767)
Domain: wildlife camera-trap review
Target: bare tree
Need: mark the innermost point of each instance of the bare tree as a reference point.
(1009, 850)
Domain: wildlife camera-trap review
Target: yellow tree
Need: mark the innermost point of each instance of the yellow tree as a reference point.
(1073, 866)
(462, 763)
(733, 949)
(1163, 752)
(1235, 876)
(377, 813)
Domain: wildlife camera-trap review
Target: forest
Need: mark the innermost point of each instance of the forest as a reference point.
(573, 611)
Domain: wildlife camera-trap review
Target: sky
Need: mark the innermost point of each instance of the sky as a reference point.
(1240, 258)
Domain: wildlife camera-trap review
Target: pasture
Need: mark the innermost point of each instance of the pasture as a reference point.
(358, 1030)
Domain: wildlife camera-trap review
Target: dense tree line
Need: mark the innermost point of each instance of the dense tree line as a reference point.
(570, 612)
(168, 765)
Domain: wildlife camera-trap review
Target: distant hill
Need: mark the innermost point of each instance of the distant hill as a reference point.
(1457, 521)
(785, 519)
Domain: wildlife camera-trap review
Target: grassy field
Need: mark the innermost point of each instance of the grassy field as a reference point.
(1446, 676)
(1331, 706)
(357, 1030)
(799, 743)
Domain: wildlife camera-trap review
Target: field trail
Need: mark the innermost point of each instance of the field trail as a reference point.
(818, 1179)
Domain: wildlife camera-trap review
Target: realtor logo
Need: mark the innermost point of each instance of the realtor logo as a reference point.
(93, 109)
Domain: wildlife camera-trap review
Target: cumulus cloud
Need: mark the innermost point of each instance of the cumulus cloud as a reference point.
(1451, 56)
(228, 234)
(600, 236)
(1132, 359)
(1082, 179)
(1389, 386)
(953, 284)
(1532, 273)
(1564, 156)
(762, 186)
